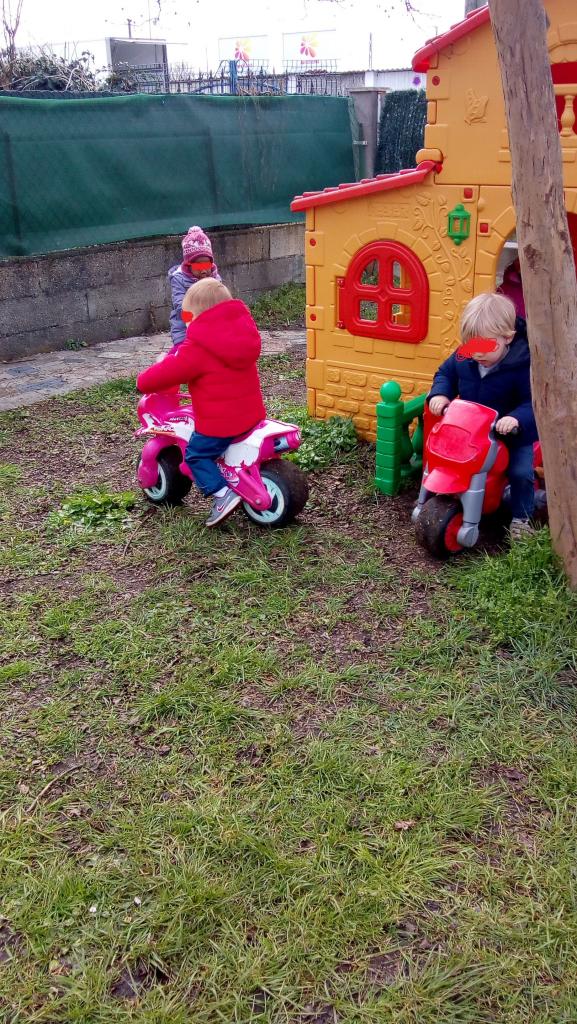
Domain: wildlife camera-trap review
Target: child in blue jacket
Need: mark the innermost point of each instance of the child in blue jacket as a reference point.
(197, 263)
(502, 381)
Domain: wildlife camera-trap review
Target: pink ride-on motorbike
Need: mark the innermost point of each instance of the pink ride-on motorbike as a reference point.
(273, 490)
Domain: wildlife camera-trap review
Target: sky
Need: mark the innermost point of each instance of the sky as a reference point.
(199, 32)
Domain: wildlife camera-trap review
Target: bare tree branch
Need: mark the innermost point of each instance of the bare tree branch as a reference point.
(11, 13)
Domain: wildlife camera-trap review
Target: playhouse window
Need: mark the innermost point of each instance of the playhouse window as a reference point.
(369, 311)
(385, 294)
(370, 274)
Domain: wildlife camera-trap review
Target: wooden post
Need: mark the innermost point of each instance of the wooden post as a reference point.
(545, 252)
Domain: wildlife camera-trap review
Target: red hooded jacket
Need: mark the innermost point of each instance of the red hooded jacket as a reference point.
(218, 361)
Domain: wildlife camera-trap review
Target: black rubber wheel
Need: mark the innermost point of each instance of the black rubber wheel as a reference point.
(289, 488)
(435, 529)
(171, 486)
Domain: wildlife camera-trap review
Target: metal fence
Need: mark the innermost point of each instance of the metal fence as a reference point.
(234, 80)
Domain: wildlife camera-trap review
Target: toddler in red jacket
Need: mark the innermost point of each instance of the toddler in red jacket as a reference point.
(218, 362)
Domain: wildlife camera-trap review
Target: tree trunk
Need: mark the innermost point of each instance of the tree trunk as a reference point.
(545, 252)
(472, 5)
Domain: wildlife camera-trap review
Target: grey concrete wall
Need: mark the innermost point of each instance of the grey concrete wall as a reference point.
(115, 291)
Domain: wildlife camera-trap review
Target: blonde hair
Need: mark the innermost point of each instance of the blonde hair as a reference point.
(488, 316)
(204, 295)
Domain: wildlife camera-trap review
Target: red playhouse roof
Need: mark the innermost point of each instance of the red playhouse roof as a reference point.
(366, 187)
(421, 60)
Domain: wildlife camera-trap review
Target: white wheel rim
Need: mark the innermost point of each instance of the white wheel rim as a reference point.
(277, 509)
(158, 492)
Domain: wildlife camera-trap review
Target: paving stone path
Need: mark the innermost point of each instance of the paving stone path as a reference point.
(26, 381)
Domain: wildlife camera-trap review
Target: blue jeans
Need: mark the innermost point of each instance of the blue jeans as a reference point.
(522, 480)
(200, 455)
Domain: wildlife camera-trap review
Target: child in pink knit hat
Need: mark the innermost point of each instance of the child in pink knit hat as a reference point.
(197, 263)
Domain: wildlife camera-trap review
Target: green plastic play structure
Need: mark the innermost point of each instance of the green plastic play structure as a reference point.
(399, 453)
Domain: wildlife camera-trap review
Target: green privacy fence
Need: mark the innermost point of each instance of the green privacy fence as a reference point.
(90, 171)
(401, 130)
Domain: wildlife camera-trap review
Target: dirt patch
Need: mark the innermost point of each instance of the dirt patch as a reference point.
(136, 979)
(522, 814)
(254, 755)
(12, 943)
(318, 1014)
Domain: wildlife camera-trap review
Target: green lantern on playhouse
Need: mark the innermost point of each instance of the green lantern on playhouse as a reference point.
(459, 227)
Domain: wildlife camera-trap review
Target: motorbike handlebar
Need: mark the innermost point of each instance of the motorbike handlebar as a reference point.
(501, 437)
(515, 430)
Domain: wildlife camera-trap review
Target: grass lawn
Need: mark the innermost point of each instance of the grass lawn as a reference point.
(303, 777)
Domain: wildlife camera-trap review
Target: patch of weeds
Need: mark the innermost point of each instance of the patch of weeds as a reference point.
(92, 511)
(55, 728)
(63, 618)
(111, 390)
(282, 366)
(74, 345)
(9, 475)
(15, 671)
(19, 551)
(323, 441)
(281, 307)
(290, 412)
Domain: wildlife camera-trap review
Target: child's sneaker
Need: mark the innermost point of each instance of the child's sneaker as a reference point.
(223, 507)
(520, 528)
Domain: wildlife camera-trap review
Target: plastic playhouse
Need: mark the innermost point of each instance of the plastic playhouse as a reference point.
(392, 260)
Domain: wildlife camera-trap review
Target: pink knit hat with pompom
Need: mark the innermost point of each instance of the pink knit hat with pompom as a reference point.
(195, 243)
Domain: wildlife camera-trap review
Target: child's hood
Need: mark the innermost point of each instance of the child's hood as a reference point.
(229, 333)
(177, 270)
(518, 355)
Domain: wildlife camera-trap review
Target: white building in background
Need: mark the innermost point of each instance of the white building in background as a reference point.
(346, 35)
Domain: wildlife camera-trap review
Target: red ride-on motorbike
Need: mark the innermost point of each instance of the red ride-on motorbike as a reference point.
(464, 478)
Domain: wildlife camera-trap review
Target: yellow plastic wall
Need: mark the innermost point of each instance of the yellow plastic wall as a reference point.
(466, 111)
(344, 373)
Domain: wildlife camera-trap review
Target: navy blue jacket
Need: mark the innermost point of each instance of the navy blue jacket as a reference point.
(506, 388)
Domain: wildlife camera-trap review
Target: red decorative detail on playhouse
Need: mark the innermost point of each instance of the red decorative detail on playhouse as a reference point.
(422, 58)
(366, 187)
(393, 302)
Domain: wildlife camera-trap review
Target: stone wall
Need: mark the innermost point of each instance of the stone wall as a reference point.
(84, 296)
